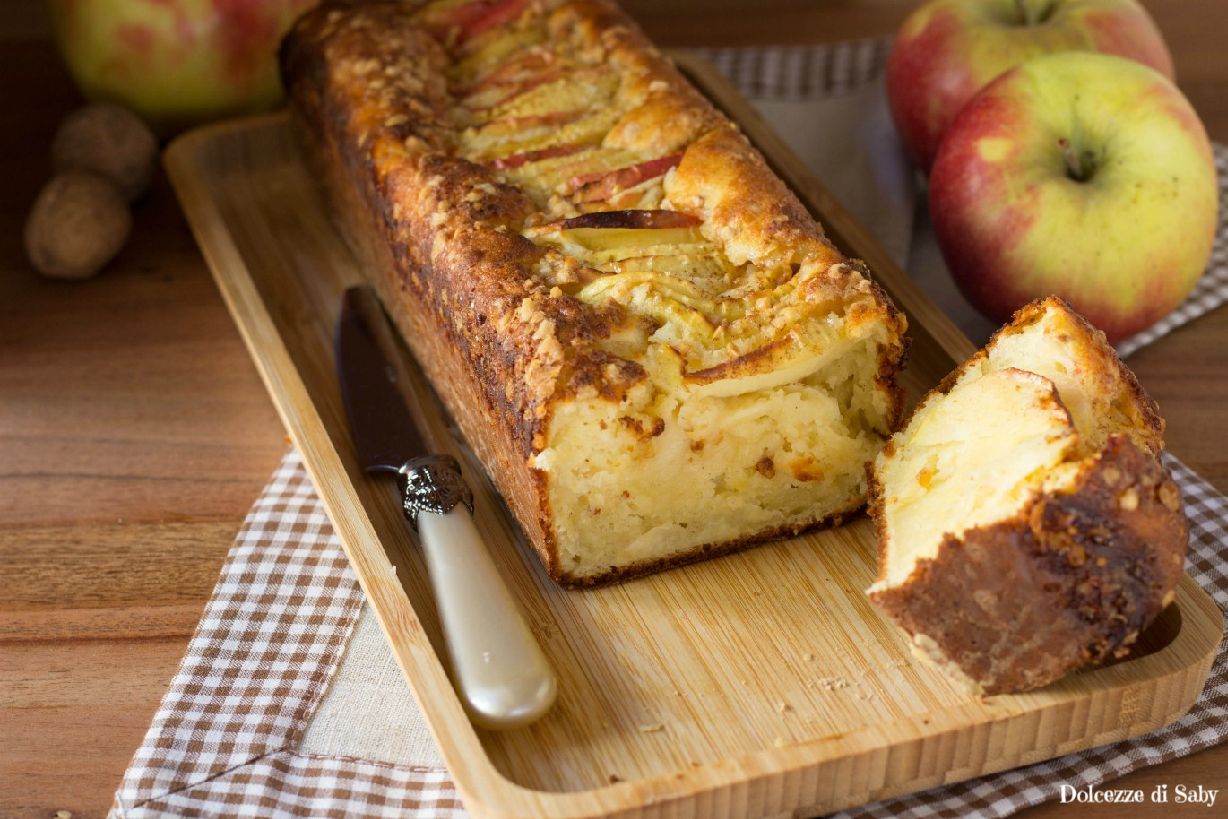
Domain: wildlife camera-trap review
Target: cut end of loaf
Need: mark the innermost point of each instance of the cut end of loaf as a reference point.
(680, 472)
(1026, 525)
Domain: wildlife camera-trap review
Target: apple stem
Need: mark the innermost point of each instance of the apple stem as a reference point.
(1029, 15)
(1022, 7)
(1079, 166)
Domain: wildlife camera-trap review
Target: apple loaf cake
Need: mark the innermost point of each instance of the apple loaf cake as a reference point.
(1026, 524)
(648, 341)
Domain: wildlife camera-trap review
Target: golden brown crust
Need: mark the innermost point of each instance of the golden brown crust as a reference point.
(1143, 409)
(441, 236)
(706, 551)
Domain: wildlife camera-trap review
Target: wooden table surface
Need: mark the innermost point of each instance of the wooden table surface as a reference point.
(135, 432)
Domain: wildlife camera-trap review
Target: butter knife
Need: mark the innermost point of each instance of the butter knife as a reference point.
(497, 666)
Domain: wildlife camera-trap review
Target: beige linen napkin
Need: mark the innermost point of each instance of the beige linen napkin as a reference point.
(288, 702)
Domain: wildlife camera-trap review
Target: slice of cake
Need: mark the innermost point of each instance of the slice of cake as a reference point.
(1026, 525)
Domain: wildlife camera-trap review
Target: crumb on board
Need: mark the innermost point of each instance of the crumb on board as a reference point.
(830, 683)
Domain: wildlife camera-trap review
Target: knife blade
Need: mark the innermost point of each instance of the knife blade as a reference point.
(501, 673)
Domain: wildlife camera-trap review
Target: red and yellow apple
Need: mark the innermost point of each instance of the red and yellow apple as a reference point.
(176, 62)
(947, 50)
(1082, 175)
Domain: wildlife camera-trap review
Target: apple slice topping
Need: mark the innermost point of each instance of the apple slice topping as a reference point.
(668, 301)
(530, 133)
(512, 72)
(513, 131)
(541, 173)
(599, 186)
(552, 174)
(487, 16)
(582, 90)
(680, 290)
(487, 99)
(693, 267)
(602, 237)
(493, 52)
(631, 219)
(518, 160)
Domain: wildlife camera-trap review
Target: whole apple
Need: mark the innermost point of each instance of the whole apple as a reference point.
(1082, 175)
(176, 62)
(947, 50)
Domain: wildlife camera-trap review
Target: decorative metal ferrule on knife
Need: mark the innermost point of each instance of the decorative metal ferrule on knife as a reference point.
(433, 483)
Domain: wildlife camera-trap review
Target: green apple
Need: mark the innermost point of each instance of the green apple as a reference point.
(1082, 175)
(176, 62)
(947, 50)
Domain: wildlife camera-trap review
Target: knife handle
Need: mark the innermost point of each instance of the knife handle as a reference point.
(500, 669)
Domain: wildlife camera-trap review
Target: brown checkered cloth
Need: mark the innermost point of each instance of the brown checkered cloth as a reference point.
(225, 740)
(273, 633)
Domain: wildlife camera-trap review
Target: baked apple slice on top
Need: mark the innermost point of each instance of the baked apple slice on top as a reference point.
(1026, 524)
(558, 90)
(488, 17)
(532, 132)
(524, 67)
(515, 161)
(544, 172)
(608, 236)
(485, 54)
(466, 23)
(632, 220)
(600, 187)
(695, 267)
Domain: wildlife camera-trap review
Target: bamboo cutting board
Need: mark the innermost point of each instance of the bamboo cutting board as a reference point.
(751, 685)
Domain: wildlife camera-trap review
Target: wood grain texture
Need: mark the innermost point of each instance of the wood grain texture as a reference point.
(54, 511)
(757, 683)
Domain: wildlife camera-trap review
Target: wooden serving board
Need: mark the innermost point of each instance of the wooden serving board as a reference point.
(751, 685)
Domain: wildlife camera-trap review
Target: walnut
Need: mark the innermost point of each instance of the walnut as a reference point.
(79, 222)
(108, 140)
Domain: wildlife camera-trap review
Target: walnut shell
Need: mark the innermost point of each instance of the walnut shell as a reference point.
(79, 222)
(108, 140)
